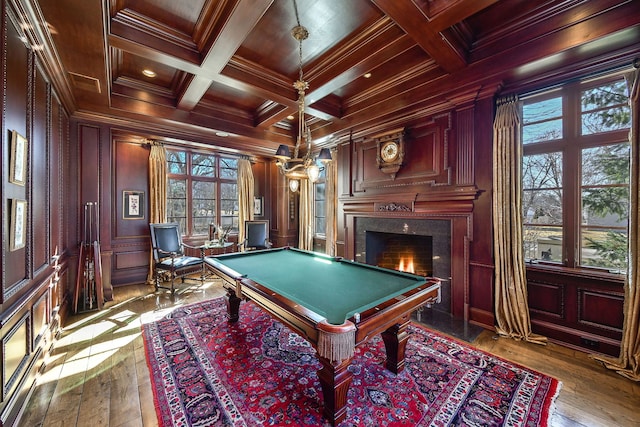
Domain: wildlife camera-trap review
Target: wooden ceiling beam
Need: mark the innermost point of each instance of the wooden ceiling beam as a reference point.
(457, 12)
(413, 21)
(235, 30)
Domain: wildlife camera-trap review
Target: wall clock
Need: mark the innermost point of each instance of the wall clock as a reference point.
(390, 154)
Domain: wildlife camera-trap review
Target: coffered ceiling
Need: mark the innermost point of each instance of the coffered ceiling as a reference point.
(227, 66)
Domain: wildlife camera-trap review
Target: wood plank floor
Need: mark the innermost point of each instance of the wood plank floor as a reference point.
(96, 375)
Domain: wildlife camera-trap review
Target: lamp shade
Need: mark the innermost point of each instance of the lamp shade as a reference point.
(293, 185)
(283, 152)
(325, 155)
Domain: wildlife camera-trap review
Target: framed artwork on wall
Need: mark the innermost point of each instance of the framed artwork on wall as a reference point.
(18, 225)
(18, 161)
(258, 206)
(132, 204)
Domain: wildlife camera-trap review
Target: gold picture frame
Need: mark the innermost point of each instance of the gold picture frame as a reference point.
(18, 162)
(133, 204)
(18, 230)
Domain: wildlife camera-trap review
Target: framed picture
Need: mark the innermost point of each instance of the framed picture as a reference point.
(18, 162)
(132, 204)
(18, 231)
(258, 206)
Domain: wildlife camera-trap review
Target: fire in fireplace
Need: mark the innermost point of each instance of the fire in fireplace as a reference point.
(410, 253)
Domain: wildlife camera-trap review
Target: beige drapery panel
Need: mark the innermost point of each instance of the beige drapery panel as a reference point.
(331, 201)
(157, 191)
(246, 192)
(628, 363)
(305, 220)
(511, 304)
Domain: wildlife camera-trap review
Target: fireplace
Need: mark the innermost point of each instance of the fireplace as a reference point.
(385, 241)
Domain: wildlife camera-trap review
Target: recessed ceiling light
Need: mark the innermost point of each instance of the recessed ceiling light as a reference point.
(367, 75)
(149, 73)
(291, 117)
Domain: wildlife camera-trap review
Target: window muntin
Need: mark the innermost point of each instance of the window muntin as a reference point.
(207, 194)
(575, 175)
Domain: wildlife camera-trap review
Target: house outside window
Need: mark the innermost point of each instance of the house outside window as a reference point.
(202, 189)
(575, 175)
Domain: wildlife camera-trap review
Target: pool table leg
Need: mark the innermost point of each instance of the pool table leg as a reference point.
(233, 306)
(395, 341)
(335, 380)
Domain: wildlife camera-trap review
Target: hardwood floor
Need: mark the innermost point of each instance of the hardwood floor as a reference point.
(97, 375)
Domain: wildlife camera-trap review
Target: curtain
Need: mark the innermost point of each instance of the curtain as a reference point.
(246, 192)
(628, 363)
(511, 305)
(157, 191)
(305, 220)
(331, 201)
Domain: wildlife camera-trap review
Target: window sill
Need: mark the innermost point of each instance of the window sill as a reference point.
(586, 273)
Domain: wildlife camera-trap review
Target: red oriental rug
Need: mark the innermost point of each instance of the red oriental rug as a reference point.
(207, 372)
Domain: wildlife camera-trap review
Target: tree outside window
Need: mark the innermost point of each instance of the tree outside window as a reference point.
(202, 189)
(575, 175)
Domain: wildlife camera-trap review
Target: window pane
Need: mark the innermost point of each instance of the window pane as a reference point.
(605, 108)
(176, 162)
(605, 206)
(604, 248)
(203, 165)
(203, 205)
(542, 207)
(542, 121)
(542, 171)
(607, 164)
(177, 202)
(177, 188)
(319, 190)
(228, 168)
(543, 243)
(320, 211)
(229, 205)
(321, 225)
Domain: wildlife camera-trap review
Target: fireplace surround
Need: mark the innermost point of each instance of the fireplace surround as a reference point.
(438, 231)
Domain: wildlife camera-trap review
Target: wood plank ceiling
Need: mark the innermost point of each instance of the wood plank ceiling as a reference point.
(227, 66)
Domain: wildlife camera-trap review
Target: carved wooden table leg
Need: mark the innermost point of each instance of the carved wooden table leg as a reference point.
(233, 305)
(335, 381)
(395, 341)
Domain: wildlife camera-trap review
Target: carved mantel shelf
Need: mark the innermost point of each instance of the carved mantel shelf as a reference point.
(441, 200)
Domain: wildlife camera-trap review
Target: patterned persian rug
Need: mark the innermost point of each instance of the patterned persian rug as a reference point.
(206, 372)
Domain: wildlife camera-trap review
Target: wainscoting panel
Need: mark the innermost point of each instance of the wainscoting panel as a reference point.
(581, 311)
(547, 299)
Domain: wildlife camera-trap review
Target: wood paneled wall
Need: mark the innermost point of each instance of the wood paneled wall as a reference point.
(447, 174)
(34, 275)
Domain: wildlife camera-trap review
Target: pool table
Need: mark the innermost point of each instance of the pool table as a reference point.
(336, 304)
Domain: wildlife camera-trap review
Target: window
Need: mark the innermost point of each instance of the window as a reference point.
(319, 205)
(575, 174)
(202, 189)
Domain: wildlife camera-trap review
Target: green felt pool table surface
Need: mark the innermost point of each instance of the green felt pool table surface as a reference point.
(331, 287)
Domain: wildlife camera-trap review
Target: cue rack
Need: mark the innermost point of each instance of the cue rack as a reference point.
(89, 293)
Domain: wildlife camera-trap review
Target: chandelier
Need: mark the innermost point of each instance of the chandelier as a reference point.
(297, 168)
